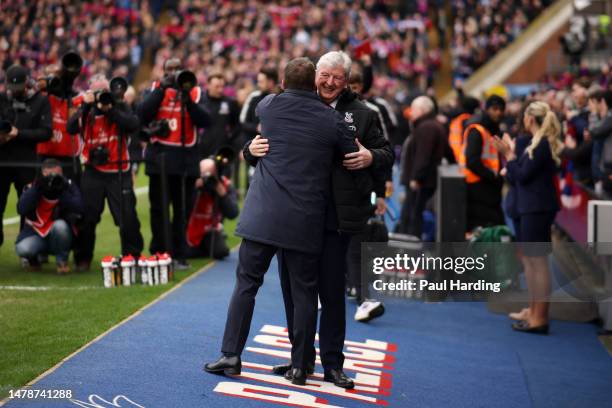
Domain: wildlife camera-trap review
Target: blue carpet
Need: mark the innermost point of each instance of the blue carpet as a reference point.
(446, 355)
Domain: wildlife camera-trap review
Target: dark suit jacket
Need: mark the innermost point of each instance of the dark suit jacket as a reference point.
(285, 204)
(535, 186)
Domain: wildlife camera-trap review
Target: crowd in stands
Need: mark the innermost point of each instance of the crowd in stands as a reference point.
(109, 35)
(239, 38)
(482, 28)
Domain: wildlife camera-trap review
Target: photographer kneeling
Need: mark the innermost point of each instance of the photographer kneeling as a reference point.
(50, 206)
(216, 199)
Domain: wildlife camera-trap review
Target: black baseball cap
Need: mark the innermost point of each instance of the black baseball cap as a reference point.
(16, 77)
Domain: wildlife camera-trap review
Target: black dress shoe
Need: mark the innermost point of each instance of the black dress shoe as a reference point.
(297, 376)
(225, 365)
(524, 327)
(282, 369)
(339, 379)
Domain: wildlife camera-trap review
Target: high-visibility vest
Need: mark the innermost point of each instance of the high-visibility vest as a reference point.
(455, 136)
(489, 155)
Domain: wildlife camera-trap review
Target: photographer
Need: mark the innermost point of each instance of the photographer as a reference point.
(105, 124)
(216, 199)
(172, 112)
(25, 120)
(50, 206)
(64, 101)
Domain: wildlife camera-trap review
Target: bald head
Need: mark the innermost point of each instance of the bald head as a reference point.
(208, 167)
(421, 106)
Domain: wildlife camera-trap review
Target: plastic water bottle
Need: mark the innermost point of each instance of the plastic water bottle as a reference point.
(164, 262)
(142, 265)
(107, 270)
(152, 271)
(127, 266)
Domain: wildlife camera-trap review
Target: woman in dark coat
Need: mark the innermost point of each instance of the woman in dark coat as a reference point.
(533, 174)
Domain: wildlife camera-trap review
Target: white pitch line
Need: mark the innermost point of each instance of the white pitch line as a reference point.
(15, 220)
(44, 288)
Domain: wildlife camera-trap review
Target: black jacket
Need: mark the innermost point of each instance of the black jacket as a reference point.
(424, 152)
(225, 127)
(248, 118)
(70, 206)
(353, 206)
(286, 202)
(534, 180)
(179, 160)
(33, 120)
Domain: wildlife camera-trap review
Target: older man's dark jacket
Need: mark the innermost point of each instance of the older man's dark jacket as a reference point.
(286, 202)
(424, 152)
(351, 206)
(352, 199)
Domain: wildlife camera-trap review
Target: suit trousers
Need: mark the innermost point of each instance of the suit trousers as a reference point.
(254, 260)
(331, 287)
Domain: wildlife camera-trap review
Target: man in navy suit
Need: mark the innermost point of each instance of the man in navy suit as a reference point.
(284, 212)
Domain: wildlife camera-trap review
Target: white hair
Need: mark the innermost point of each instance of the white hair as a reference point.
(424, 103)
(335, 59)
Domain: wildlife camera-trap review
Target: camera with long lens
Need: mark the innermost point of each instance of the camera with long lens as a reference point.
(99, 156)
(5, 126)
(72, 63)
(118, 86)
(53, 184)
(186, 80)
(159, 128)
(104, 97)
(60, 85)
(223, 158)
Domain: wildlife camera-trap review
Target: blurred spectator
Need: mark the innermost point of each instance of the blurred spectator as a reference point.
(602, 131)
(423, 153)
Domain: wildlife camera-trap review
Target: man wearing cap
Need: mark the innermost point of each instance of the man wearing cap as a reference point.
(25, 117)
(480, 163)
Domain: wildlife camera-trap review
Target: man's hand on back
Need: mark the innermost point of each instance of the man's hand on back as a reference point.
(259, 146)
(359, 159)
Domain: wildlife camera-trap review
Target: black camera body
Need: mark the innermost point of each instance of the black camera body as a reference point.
(99, 156)
(209, 184)
(223, 158)
(53, 185)
(104, 97)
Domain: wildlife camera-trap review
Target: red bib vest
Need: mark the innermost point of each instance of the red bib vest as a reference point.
(170, 109)
(62, 143)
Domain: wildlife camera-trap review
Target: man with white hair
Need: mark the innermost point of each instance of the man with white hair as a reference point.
(422, 155)
(347, 214)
